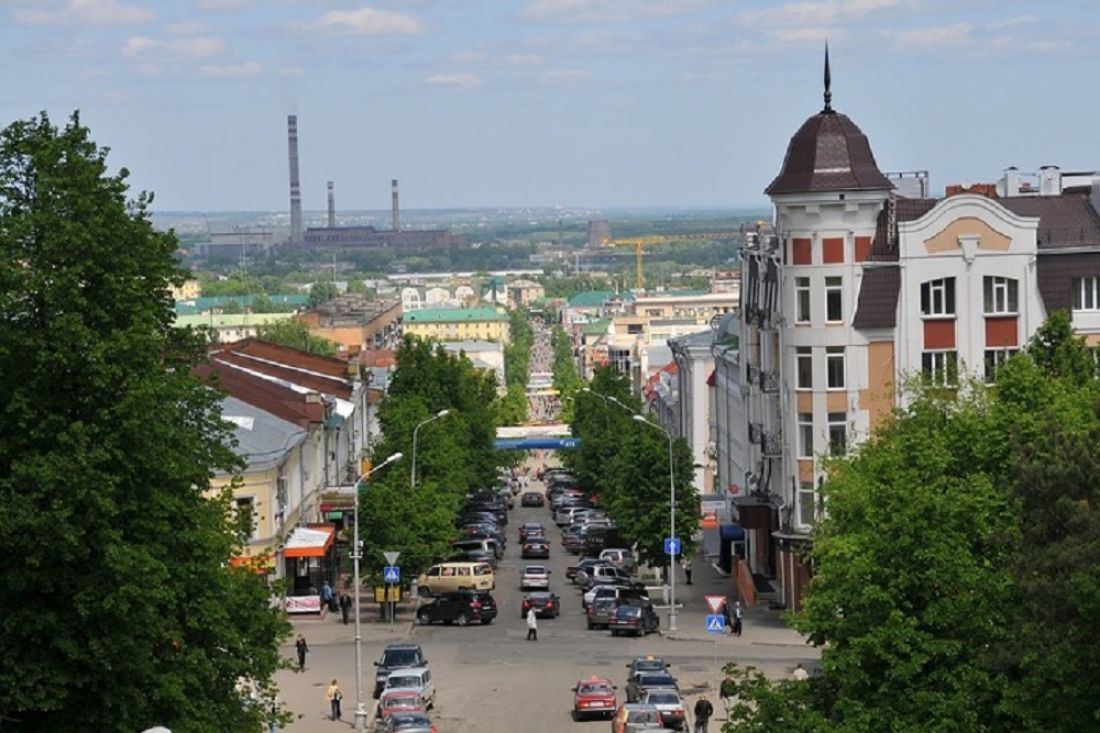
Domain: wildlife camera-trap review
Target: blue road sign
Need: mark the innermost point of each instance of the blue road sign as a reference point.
(716, 623)
(672, 545)
(391, 574)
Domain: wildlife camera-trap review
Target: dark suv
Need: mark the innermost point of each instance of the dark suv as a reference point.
(461, 607)
(397, 656)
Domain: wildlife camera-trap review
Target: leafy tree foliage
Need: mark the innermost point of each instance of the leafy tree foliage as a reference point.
(957, 573)
(118, 610)
(512, 408)
(322, 292)
(517, 354)
(566, 380)
(296, 334)
(455, 454)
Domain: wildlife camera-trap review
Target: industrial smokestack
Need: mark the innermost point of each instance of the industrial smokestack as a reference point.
(295, 182)
(331, 207)
(396, 208)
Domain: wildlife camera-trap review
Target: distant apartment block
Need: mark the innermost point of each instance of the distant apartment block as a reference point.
(355, 322)
(458, 324)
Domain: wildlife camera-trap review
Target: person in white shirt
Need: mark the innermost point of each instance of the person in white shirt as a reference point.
(532, 625)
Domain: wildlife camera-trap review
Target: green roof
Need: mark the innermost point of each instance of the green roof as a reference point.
(199, 305)
(596, 327)
(230, 320)
(453, 315)
(596, 298)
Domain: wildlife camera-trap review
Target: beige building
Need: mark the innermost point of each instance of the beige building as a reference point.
(524, 292)
(458, 324)
(354, 322)
(230, 327)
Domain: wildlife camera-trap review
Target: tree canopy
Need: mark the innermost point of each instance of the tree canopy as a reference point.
(957, 571)
(119, 610)
(297, 335)
(322, 292)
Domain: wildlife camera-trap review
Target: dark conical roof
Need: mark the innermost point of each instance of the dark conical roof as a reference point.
(828, 153)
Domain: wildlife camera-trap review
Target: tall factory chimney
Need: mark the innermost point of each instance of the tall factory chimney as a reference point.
(396, 207)
(295, 182)
(331, 207)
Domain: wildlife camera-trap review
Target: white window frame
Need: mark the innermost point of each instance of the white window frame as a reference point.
(994, 360)
(807, 497)
(834, 289)
(1000, 296)
(834, 354)
(1086, 294)
(838, 421)
(802, 302)
(805, 435)
(803, 352)
(941, 290)
(937, 367)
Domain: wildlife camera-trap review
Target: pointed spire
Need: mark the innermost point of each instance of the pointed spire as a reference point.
(828, 82)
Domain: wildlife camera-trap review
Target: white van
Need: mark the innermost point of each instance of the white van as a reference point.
(451, 576)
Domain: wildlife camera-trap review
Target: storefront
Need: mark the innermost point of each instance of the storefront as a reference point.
(310, 559)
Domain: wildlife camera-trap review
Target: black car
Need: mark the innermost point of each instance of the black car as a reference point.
(531, 529)
(646, 664)
(394, 657)
(639, 683)
(545, 603)
(461, 607)
(475, 555)
(536, 547)
(532, 498)
(636, 618)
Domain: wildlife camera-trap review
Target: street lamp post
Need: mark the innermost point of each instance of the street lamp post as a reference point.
(671, 522)
(412, 472)
(357, 549)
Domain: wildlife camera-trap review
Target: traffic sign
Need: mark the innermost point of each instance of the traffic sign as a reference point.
(391, 557)
(391, 574)
(715, 602)
(716, 624)
(672, 545)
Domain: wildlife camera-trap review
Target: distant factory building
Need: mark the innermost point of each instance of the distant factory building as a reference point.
(367, 237)
(237, 243)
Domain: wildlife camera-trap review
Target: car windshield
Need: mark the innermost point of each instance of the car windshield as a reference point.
(403, 701)
(594, 688)
(662, 698)
(655, 680)
(538, 596)
(535, 570)
(408, 719)
(643, 716)
(409, 681)
(400, 658)
(628, 611)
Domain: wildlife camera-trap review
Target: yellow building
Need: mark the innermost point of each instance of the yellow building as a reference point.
(458, 324)
(188, 291)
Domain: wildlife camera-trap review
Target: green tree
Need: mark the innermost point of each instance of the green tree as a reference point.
(119, 608)
(297, 335)
(517, 354)
(1058, 352)
(322, 292)
(512, 408)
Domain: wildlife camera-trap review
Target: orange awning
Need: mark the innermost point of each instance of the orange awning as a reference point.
(309, 541)
(256, 563)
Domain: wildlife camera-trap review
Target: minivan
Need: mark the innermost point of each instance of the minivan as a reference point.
(488, 544)
(451, 576)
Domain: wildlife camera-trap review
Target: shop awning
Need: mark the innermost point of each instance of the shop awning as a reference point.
(261, 564)
(309, 541)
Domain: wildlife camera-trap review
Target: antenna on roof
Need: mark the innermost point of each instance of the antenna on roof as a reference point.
(828, 83)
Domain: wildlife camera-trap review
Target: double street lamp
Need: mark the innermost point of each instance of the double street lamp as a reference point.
(416, 430)
(357, 550)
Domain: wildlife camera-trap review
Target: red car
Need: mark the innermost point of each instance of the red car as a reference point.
(594, 697)
(399, 701)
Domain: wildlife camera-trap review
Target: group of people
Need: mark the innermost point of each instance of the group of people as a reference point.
(734, 617)
(332, 601)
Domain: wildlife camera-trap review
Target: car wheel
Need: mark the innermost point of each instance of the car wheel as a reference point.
(423, 619)
(462, 619)
(614, 632)
(591, 625)
(424, 591)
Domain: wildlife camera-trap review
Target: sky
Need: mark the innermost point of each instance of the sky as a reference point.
(590, 103)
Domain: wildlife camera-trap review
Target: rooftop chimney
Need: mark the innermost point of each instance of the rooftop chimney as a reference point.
(331, 207)
(394, 205)
(1011, 183)
(295, 183)
(1050, 180)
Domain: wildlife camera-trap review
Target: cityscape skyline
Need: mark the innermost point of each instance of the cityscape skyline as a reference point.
(597, 103)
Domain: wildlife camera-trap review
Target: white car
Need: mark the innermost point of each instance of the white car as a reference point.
(413, 678)
(535, 576)
(669, 705)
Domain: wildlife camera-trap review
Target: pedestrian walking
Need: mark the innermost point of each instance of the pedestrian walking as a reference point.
(686, 565)
(727, 615)
(532, 625)
(303, 649)
(703, 710)
(726, 691)
(800, 672)
(334, 697)
(738, 613)
(326, 597)
(345, 606)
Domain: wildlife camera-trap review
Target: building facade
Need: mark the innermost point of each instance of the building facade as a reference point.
(458, 324)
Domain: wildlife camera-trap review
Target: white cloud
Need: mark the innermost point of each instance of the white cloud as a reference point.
(955, 34)
(194, 47)
(232, 71)
(565, 77)
(458, 80)
(816, 12)
(366, 22)
(85, 12)
(221, 5)
(609, 10)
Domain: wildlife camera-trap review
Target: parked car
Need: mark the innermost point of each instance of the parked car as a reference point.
(603, 573)
(531, 529)
(643, 682)
(637, 620)
(413, 678)
(397, 656)
(535, 576)
(647, 663)
(535, 547)
(545, 603)
(635, 718)
(620, 593)
(475, 556)
(451, 576)
(600, 613)
(400, 700)
(669, 705)
(594, 696)
(619, 557)
(583, 567)
(532, 498)
(460, 607)
(409, 723)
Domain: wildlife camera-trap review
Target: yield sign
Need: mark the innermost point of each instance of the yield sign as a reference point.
(391, 557)
(715, 602)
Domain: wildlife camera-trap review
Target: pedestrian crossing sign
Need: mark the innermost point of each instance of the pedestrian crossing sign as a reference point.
(716, 624)
(391, 574)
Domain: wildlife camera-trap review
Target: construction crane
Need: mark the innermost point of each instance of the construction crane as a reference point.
(638, 243)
